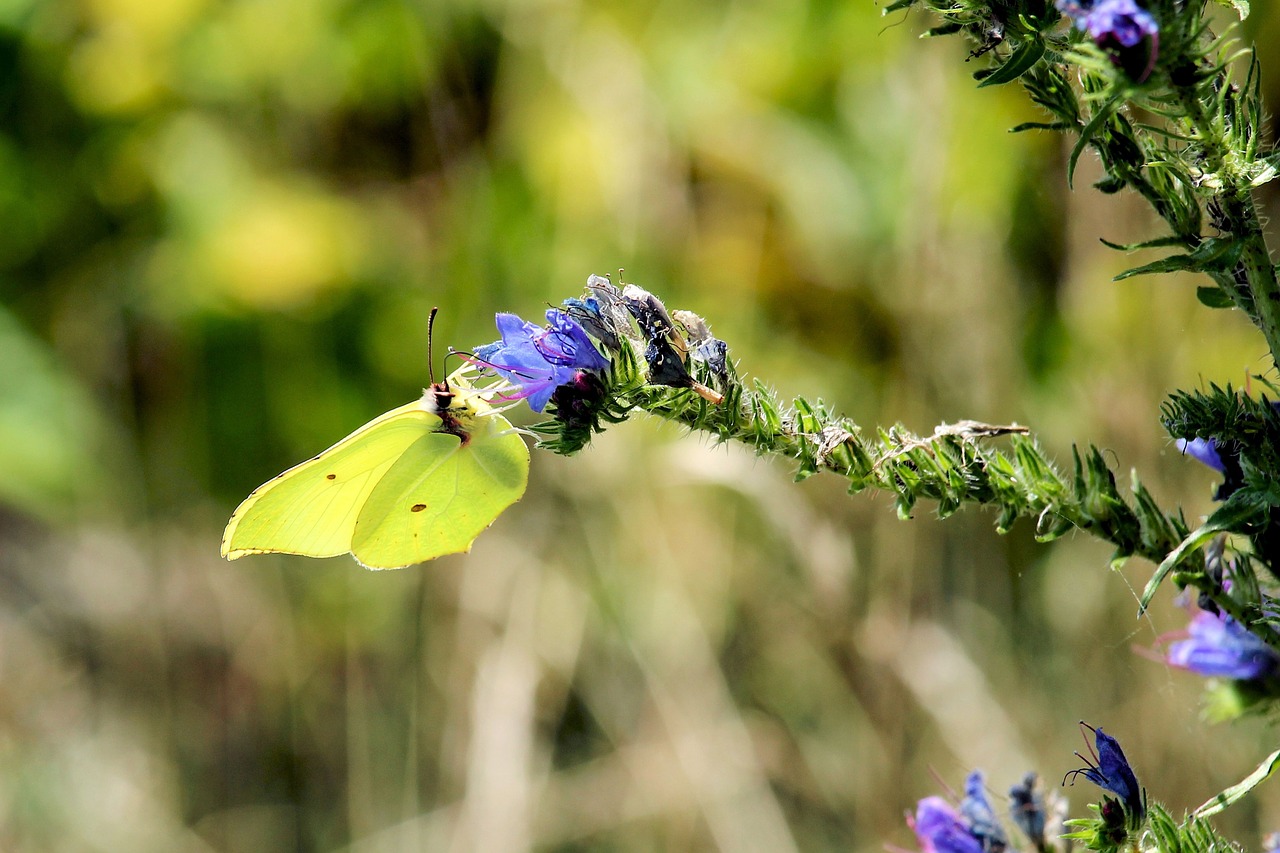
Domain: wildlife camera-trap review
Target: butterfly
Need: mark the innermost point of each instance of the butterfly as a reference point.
(419, 482)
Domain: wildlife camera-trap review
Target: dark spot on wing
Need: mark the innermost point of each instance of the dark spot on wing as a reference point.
(331, 476)
(417, 508)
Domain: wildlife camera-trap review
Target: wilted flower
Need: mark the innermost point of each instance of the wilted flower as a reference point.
(1026, 807)
(1217, 645)
(601, 312)
(1109, 770)
(536, 359)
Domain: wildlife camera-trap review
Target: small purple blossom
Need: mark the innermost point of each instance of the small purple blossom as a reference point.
(1217, 645)
(1205, 450)
(1115, 24)
(1111, 23)
(940, 829)
(1110, 771)
(537, 360)
(564, 343)
(1118, 23)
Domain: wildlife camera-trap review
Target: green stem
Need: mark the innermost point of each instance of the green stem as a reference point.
(1253, 283)
(953, 466)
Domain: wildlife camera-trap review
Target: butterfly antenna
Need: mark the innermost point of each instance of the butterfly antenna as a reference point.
(431, 322)
(465, 355)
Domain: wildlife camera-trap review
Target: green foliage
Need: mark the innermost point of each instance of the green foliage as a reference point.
(225, 225)
(1165, 835)
(1206, 152)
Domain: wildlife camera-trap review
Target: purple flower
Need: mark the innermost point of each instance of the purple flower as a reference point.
(564, 343)
(1118, 23)
(977, 812)
(1204, 450)
(1111, 23)
(537, 360)
(940, 828)
(1110, 771)
(1218, 645)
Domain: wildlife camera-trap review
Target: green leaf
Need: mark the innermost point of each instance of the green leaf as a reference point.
(1214, 297)
(1023, 58)
(1086, 136)
(1173, 263)
(50, 429)
(1217, 254)
(1233, 794)
(944, 30)
(1239, 511)
(897, 5)
(1039, 125)
(1159, 242)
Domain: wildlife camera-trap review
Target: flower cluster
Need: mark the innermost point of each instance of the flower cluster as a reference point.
(593, 355)
(973, 827)
(536, 360)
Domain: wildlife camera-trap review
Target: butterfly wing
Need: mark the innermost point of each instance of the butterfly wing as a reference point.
(441, 493)
(395, 492)
(312, 508)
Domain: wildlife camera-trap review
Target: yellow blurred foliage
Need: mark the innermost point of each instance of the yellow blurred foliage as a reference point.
(282, 247)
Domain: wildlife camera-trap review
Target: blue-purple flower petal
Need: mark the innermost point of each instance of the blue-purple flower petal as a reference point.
(976, 810)
(565, 343)
(1203, 450)
(1113, 774)
(940, 829)
(538, 360)
(1218, 645)
(517, 359)
(1120, 23)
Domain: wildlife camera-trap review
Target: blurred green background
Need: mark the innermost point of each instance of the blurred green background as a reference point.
(224, 224)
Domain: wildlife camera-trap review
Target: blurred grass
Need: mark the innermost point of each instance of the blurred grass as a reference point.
(224, 225)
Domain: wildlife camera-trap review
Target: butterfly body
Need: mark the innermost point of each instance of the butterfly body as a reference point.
(418, 482)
